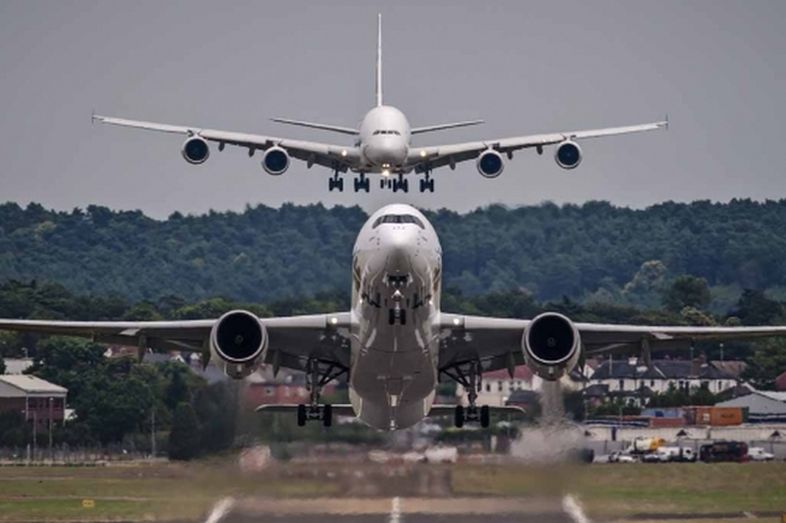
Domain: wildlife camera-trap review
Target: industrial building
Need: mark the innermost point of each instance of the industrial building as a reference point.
(38, 400)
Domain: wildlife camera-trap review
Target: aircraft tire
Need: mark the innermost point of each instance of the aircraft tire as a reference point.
(485, 416)
(458, 419)
(327, 415)
(301, 415)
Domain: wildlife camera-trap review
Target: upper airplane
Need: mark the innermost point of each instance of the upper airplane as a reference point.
(394, 344)
(382, 145)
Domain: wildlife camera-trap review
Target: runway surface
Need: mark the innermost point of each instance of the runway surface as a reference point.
(400, 510)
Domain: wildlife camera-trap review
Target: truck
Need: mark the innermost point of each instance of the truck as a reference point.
(724, 451)
(670, 454)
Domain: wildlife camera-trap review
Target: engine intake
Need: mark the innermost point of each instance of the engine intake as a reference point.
(551, 345)
(239, 341)
(275, 161)
(195, 150)
(568, 155)
(490, 163)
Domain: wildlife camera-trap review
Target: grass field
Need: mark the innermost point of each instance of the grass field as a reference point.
(186, 491)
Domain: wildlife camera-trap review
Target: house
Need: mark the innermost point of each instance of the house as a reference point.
(497, 386)
(263, 388)
(628, 377)
(763, 406)
(38, 400)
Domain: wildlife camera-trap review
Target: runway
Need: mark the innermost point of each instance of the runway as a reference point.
(399, 510)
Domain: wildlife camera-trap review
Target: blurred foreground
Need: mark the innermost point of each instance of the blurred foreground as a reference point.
(358, 486)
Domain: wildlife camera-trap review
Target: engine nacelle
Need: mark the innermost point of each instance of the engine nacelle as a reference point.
(490, 163)
(238, 343)
(568, 155)
(551, 345)
(195, 150)
(275, 161)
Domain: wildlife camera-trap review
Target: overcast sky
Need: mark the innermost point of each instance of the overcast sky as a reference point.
(718, 69)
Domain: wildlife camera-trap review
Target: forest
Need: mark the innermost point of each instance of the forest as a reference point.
(589, 252)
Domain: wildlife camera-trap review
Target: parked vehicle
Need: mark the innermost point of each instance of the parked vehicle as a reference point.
(724, 451)
(645, 445)
(759, 454)
(621, 457)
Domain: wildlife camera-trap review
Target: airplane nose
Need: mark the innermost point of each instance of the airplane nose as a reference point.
(386, 152)
(401, 248)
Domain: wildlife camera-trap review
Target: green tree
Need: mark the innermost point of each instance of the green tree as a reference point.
(687, 291)
(767, 362)
(184, 438)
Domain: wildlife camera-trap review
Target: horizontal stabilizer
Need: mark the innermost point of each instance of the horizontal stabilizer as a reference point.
(443, 126)
(323, 127)
(339, 409)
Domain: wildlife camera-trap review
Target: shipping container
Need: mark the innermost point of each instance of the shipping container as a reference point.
(666, 423)
(714, 416)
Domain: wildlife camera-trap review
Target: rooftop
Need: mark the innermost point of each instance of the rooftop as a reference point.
(31, 384)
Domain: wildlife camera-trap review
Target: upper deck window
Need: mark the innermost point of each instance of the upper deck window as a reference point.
(386, 131)
(398, 218)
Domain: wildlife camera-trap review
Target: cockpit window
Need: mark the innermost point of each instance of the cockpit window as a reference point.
(386, 131)
(398, 218)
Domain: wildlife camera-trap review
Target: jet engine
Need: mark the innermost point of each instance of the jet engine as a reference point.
(490, 164)
(238, 343)
(551, 345)
(568, 155)
(275, 161)
(195, 150)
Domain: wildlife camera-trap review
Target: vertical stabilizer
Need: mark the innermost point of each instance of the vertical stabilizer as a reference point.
(379, 60)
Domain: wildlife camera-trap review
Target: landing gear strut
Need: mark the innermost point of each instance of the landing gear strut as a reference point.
(316, 378)
(336, 182)
(362, 182)
(470, 378)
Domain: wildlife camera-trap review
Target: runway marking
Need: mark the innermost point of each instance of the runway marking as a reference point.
(220, 510)
(573, 508)
(395, 510)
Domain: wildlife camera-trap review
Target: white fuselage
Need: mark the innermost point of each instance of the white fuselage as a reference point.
(384, 140)
(396, 273)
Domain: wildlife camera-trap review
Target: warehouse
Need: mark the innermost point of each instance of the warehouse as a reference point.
(763, 406)
(38, 400)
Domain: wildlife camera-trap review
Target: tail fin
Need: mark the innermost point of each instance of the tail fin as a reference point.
(379, 60)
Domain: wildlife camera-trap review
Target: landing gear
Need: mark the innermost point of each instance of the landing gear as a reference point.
(401, 184)
(336, 182)
(317, 376)
(427, 183)
(362, 182)
(470, 377)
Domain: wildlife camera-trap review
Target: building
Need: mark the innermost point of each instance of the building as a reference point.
(38, 400)
(497, 386)
(262, 388)
(763, 406)
(631, 377)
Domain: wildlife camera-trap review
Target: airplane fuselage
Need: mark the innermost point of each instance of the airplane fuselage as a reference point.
(384, 140)
(396, 283)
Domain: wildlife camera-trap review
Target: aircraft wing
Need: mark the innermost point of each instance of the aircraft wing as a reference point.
(432, 157)
(497, 342)
(292, 340)
(327, 155)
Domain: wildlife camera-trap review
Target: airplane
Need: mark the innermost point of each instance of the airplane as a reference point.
(395, 344)
(383, 145)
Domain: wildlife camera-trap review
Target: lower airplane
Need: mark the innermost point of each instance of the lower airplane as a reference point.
(395, 342)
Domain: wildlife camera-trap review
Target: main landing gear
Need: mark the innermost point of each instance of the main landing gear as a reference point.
(471, 379)
(401, 184)
(362, 182)
(427, 183)
(317, 377)
(337, 182)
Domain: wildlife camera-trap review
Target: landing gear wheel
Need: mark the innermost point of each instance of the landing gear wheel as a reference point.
(362, 183)
(336, 183)
(327, 415)
(458, 419)
(301, 415)
(404, 185)
(426, 184)
(485, 416)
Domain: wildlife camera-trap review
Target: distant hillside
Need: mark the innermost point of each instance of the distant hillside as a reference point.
(264, 254)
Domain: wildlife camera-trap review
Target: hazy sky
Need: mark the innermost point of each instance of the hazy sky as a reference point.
(718, 69)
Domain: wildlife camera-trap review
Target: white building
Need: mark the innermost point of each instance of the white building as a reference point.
(763, 406)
